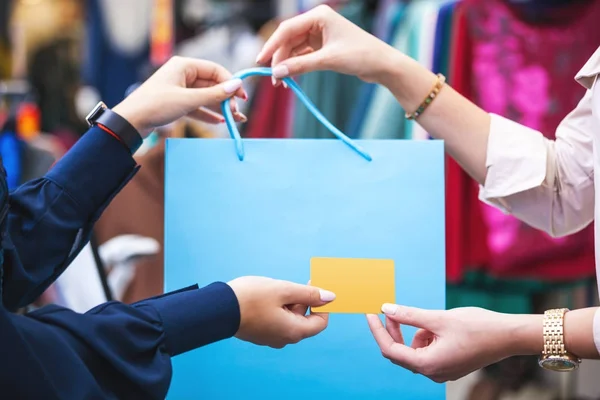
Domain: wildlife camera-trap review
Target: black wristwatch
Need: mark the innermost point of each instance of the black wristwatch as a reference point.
(117, 125)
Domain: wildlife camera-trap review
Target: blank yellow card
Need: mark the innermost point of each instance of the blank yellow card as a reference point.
(361, 285)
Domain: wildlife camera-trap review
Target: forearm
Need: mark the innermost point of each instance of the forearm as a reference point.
(462, 125)
(114, 350)
(50, 218)
(524, 333)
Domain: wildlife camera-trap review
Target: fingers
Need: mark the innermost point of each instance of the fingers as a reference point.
(288, 31)
(397, 352)
(416, 317)
(203, 73)
(312, 61)
(309, 325)
(423, 338)
(313, 324)
(393, 329)
(293, 293)
(197, 69)
(287, 50)
(203, 83)
(206, 115)
(214, 95)
(299, 309)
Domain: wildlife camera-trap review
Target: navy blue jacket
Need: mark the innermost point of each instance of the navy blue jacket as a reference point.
(114, 351)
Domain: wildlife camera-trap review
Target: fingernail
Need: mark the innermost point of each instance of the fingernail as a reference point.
(326, 295)
(273, 81)
(258, 57)
(280, 71)
(285, 85)
(242, 117)
(232, 85)
(389, 309)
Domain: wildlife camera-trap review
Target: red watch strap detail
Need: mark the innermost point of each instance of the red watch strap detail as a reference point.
(111, 133)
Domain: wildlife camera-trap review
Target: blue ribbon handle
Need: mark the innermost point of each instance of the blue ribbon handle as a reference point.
(235, 134)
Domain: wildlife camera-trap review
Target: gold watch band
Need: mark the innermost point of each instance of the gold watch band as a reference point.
(555, 355)
(554, 338)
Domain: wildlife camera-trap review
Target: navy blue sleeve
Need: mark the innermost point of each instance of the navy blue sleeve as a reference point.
(50, 219)
(114, 351)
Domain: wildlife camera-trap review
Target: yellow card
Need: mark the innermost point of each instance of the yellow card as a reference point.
(361, 285)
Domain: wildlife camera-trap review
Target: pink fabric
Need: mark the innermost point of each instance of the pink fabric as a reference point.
(525, 72)
(271, 111)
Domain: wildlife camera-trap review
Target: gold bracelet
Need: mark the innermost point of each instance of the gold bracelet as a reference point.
(439, 84)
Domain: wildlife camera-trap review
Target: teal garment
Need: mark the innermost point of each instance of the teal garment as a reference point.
(512, 296)
(334, 94)
(385, 117)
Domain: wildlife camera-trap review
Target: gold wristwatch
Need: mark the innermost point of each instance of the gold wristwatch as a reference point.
(555, 356)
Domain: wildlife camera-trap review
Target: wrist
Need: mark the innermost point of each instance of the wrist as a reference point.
(524, 334)
(134, 118)
(408, 80)
(243, 299)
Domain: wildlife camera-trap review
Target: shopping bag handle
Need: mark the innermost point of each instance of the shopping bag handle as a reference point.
(264, 71)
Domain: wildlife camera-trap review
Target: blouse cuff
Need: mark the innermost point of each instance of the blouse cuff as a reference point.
(517, 160)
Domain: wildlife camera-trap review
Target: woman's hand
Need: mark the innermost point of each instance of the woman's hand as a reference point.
(181, 87)
(321, 39)
(273, 312)
(451, 344)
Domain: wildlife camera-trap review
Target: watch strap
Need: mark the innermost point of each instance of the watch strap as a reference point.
(554, 338)
(121, 128)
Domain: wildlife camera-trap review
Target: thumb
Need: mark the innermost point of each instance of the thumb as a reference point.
(216, 94)
(306, 295)
(417, 317)
(298, 65)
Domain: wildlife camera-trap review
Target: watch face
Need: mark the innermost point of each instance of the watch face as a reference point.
(558, 364)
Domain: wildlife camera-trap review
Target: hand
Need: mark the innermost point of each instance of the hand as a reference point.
(454, 343)
(181, 87)
(321, 39)
(273, 312)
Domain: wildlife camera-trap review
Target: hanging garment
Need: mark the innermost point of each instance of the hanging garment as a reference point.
(555, 12)
(469, 284)
(525, 72)
(332, 93)
(139, 210)
(271, 112)
(385, 118)
(423, 42)
(466, 233)
(117, 46)
(443, 37)
(393, 12)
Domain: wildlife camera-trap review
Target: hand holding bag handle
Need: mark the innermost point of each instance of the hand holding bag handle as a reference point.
(235, 134)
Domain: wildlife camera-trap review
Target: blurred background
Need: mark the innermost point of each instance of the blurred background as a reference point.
(516, 58)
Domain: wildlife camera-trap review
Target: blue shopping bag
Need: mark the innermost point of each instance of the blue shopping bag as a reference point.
(266, 207)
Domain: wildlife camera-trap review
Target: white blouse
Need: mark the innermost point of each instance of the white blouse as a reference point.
(550, 184)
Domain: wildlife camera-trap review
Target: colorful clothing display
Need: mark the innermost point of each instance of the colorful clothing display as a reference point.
(454, 38)
(341, 90)
(524, 71)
